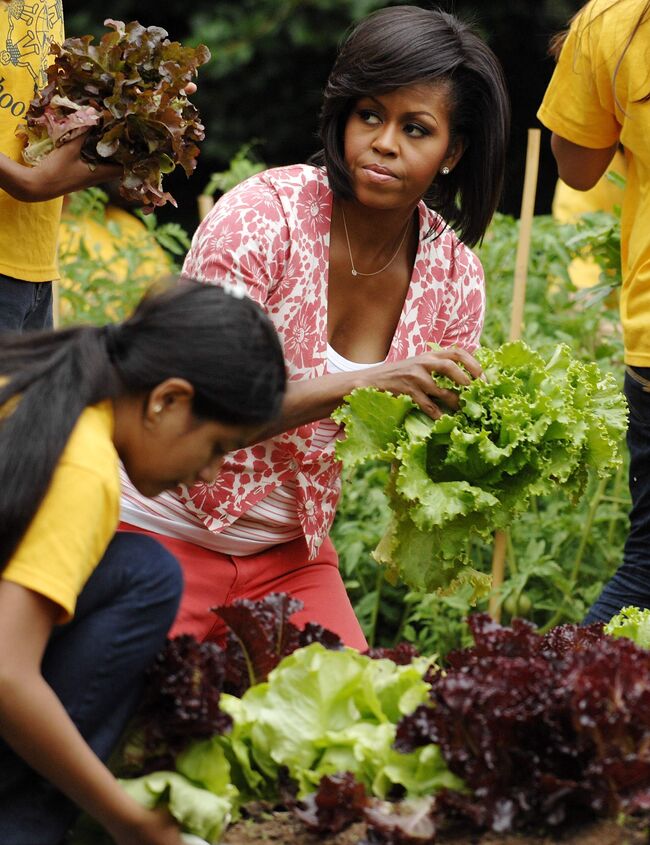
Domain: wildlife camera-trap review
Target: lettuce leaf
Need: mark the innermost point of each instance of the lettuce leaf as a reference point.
(532, 426)
(543, 730)
(197, 810)
(633, 623)
(127, 94)
(322, 712)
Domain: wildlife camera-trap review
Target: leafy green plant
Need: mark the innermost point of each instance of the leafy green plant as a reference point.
(242, 165)
(558, 554)
(532, 426)
(103, 281)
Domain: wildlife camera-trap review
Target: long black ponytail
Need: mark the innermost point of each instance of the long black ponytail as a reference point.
(223, 344)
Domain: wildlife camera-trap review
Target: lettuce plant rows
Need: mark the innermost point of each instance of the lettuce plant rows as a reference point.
(519, 731)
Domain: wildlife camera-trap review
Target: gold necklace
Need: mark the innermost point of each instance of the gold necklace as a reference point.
(356, 272)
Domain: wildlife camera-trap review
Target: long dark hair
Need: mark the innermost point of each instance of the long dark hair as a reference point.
(223, 344)
(406, 45)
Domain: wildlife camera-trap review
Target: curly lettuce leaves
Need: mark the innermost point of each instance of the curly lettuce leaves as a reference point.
(372, 419)
(543, 730)
(633, 623)
(531, 426)
(127, 94)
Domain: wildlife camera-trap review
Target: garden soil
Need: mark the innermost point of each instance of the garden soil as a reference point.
(268, 827)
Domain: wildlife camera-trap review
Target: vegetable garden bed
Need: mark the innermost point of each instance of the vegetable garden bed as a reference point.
(266, 826)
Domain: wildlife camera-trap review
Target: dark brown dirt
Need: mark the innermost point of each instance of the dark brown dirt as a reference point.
(266, 827)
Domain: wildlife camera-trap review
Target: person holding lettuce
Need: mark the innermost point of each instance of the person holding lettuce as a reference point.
(596, 100)
(31, 197)
(83, 612)
(355, 261)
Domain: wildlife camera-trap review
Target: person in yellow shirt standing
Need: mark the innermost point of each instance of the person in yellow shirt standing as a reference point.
(194, 373)
(29, 216)
(598, 97)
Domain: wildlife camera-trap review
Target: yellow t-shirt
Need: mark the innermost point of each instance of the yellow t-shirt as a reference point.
(77, 518)
(28, 231)
(581, 105)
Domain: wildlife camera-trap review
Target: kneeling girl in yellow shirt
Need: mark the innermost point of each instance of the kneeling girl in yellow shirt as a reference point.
(194, 373)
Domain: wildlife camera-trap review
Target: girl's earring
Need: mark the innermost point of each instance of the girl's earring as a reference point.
(157, 408)
(444, 170)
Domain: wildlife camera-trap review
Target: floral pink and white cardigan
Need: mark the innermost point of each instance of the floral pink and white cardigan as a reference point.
(271, 235)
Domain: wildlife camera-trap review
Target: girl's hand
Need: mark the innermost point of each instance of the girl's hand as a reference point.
(413, 377)
(154, 827)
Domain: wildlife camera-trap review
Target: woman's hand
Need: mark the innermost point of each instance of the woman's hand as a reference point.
(412, 376)
(314, 399)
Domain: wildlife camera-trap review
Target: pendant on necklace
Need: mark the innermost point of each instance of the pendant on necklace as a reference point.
(354, 273)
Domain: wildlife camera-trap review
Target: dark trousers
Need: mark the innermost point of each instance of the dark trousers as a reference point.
(630, 584)
(24, 305)
(95, 664)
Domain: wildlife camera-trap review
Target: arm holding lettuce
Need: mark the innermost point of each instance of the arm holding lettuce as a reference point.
(314, 399)
(61, 172)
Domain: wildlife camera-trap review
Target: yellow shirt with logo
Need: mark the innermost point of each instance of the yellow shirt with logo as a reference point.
(582, 106)
(78, 517)
(28, 231)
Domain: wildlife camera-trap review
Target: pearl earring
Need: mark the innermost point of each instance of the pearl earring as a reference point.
(157, 409)
(444, 170)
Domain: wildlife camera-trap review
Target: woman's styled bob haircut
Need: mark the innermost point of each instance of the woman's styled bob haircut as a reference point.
(406, 45)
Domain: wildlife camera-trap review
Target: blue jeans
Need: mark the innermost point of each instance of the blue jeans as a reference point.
(24, 305)
(95, 664)
(630, 585)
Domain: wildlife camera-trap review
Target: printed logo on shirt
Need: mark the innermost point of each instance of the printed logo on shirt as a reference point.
(27, 38)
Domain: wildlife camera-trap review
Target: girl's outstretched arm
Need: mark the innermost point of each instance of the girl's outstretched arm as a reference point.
(35, 724)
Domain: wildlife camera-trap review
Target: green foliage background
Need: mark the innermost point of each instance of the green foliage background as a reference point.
(271, 58)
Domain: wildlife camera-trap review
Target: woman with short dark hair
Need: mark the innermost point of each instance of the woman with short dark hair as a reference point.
(356, 262)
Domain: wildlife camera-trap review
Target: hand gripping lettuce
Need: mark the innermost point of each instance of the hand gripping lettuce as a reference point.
(126, 94)
(531, 426)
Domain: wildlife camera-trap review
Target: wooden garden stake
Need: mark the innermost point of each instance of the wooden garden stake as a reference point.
(517, 324)
(205, 203)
